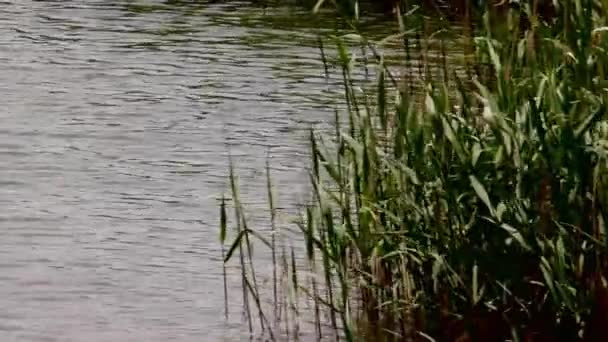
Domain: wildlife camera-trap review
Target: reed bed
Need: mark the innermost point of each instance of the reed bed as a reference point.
(471, 209)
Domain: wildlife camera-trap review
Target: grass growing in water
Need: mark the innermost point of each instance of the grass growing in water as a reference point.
(475, 214)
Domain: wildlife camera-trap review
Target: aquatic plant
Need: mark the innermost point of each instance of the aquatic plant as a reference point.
(458, 209)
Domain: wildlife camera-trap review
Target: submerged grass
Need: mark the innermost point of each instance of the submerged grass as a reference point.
(473, 210)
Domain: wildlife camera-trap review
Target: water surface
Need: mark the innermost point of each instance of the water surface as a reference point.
(116, 121)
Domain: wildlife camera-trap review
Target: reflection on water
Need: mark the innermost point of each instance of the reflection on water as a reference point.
(116, 121)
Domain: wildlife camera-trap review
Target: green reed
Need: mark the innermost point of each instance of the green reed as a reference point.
(456, 209)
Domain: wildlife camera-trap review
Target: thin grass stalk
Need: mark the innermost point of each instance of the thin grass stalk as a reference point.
(408, 66)
(323, 59)
(256, 298)
(329, 285)
(425, 54)
(286, 296)
(223, 230)
(365, 61)
(294, 298)
(322, 233)
(255, 293)
(275, 303)
(308, 228)
(316, 302)
(444, 65)
(237, 215)
(418, 44)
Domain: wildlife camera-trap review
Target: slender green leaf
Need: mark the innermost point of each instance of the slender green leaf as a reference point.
(516, 235)
(482, 193)
(223, 220)
(235, 244)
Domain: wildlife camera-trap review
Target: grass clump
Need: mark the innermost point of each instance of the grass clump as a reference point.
(473, 210)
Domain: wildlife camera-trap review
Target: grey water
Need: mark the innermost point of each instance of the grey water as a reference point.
(116, 120)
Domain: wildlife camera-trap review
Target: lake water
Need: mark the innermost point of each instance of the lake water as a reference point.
(116, 122)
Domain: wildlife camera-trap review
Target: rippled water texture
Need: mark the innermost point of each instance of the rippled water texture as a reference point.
(115, 122)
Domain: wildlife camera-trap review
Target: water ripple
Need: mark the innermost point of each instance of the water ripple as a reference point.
(117, 118)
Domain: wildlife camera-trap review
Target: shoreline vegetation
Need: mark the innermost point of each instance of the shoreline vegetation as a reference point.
(465, 207)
